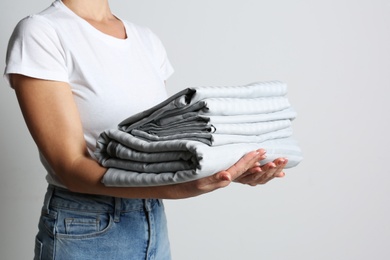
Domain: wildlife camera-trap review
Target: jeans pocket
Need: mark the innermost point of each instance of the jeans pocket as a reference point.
(79, 226)
(38, 249)
(82, 224)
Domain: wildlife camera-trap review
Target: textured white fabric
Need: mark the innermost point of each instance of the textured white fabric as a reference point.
(240, 106)
(251, 128)
(288, 113)
(252, 90)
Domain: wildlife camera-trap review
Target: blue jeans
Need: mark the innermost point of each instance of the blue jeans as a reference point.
(81, 226)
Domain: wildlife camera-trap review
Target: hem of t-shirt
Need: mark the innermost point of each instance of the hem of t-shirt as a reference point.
(51, 181)
(43, 75)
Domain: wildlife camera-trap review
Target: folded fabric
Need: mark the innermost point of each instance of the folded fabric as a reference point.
(252, 90)
(161, 163)
(198, 132)
(213, 126)
(251, 99)
(115, 144)
(217, 128)
(288, 113)
(215, 139)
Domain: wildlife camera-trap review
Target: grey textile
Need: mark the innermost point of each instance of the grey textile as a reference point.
(207, 159)
(251, 99)
(198, 132)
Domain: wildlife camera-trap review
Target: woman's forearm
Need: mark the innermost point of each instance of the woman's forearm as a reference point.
(85, 175)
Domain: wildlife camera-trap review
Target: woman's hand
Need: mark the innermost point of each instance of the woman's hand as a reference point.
(263, 174)
(247, 171)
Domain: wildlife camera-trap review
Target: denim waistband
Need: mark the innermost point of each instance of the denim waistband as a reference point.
(60, 198)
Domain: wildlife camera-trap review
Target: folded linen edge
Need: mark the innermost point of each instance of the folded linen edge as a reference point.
(124, 178)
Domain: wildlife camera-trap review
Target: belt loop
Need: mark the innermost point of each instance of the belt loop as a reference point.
(117, 210)
(46, 202)
(148, 204)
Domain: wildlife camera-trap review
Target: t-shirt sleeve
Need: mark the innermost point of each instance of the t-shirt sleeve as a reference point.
(35, 50)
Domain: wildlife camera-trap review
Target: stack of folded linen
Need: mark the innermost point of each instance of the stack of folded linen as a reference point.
(198, 132)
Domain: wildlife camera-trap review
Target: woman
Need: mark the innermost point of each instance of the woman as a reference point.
(78, 70)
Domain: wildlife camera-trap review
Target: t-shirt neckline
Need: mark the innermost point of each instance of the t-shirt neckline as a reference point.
(60, 4)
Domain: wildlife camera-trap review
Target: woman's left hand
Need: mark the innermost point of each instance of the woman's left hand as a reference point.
(264, 173)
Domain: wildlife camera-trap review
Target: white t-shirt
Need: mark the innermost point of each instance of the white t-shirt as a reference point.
(110, 78)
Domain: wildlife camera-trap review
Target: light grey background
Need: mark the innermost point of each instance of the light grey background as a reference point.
(335, 57)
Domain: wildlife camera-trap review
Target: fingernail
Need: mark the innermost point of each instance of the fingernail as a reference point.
(225, 177)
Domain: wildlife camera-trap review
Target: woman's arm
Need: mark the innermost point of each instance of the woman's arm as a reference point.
(53, 120)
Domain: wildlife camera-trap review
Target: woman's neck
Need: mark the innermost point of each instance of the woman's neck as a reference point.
(98, 14)
(91, 10)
